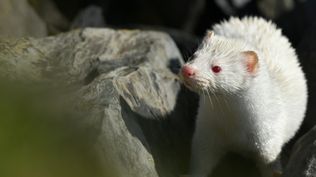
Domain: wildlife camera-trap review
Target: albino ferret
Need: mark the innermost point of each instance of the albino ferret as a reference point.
(253, 94)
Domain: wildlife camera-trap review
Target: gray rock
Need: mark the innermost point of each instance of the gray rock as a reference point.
(302, 161)
(141, 118)
(18, 19)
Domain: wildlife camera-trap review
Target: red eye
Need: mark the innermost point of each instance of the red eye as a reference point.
(216, 69)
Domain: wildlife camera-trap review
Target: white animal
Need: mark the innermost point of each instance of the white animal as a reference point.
(253, 94)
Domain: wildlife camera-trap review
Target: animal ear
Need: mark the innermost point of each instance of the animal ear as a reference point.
(251, 59)
(209, 34)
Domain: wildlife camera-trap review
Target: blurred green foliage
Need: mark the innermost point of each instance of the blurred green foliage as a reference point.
(37, 139)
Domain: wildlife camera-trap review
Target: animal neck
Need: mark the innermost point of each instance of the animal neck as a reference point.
(260, 89)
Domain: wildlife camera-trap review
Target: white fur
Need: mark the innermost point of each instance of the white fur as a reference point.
(252, 114)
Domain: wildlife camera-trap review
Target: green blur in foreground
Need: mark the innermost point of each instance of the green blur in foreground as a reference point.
(37, 140)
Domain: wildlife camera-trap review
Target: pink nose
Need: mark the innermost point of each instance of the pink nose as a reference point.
(187, 71)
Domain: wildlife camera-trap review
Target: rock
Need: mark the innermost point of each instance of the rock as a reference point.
(141, 118)
(186, 42)
(92, 16)
(302, 161)
(48, 11)
(18, 19)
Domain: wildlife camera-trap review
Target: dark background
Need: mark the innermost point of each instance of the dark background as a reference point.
(193, 16)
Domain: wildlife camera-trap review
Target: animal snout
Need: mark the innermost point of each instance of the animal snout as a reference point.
(187, 71)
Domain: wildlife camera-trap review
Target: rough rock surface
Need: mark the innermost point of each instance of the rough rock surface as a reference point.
(303, 158)
(127, 82)
(18, 19)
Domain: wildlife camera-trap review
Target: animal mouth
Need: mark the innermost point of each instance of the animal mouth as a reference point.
(195, 85)
(188, 85)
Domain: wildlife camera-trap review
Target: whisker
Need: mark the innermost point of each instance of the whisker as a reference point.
(209, 97)
(220, 103)
(225, 101)
(203, 96)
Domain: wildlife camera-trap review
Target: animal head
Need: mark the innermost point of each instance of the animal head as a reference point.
(220, 65)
